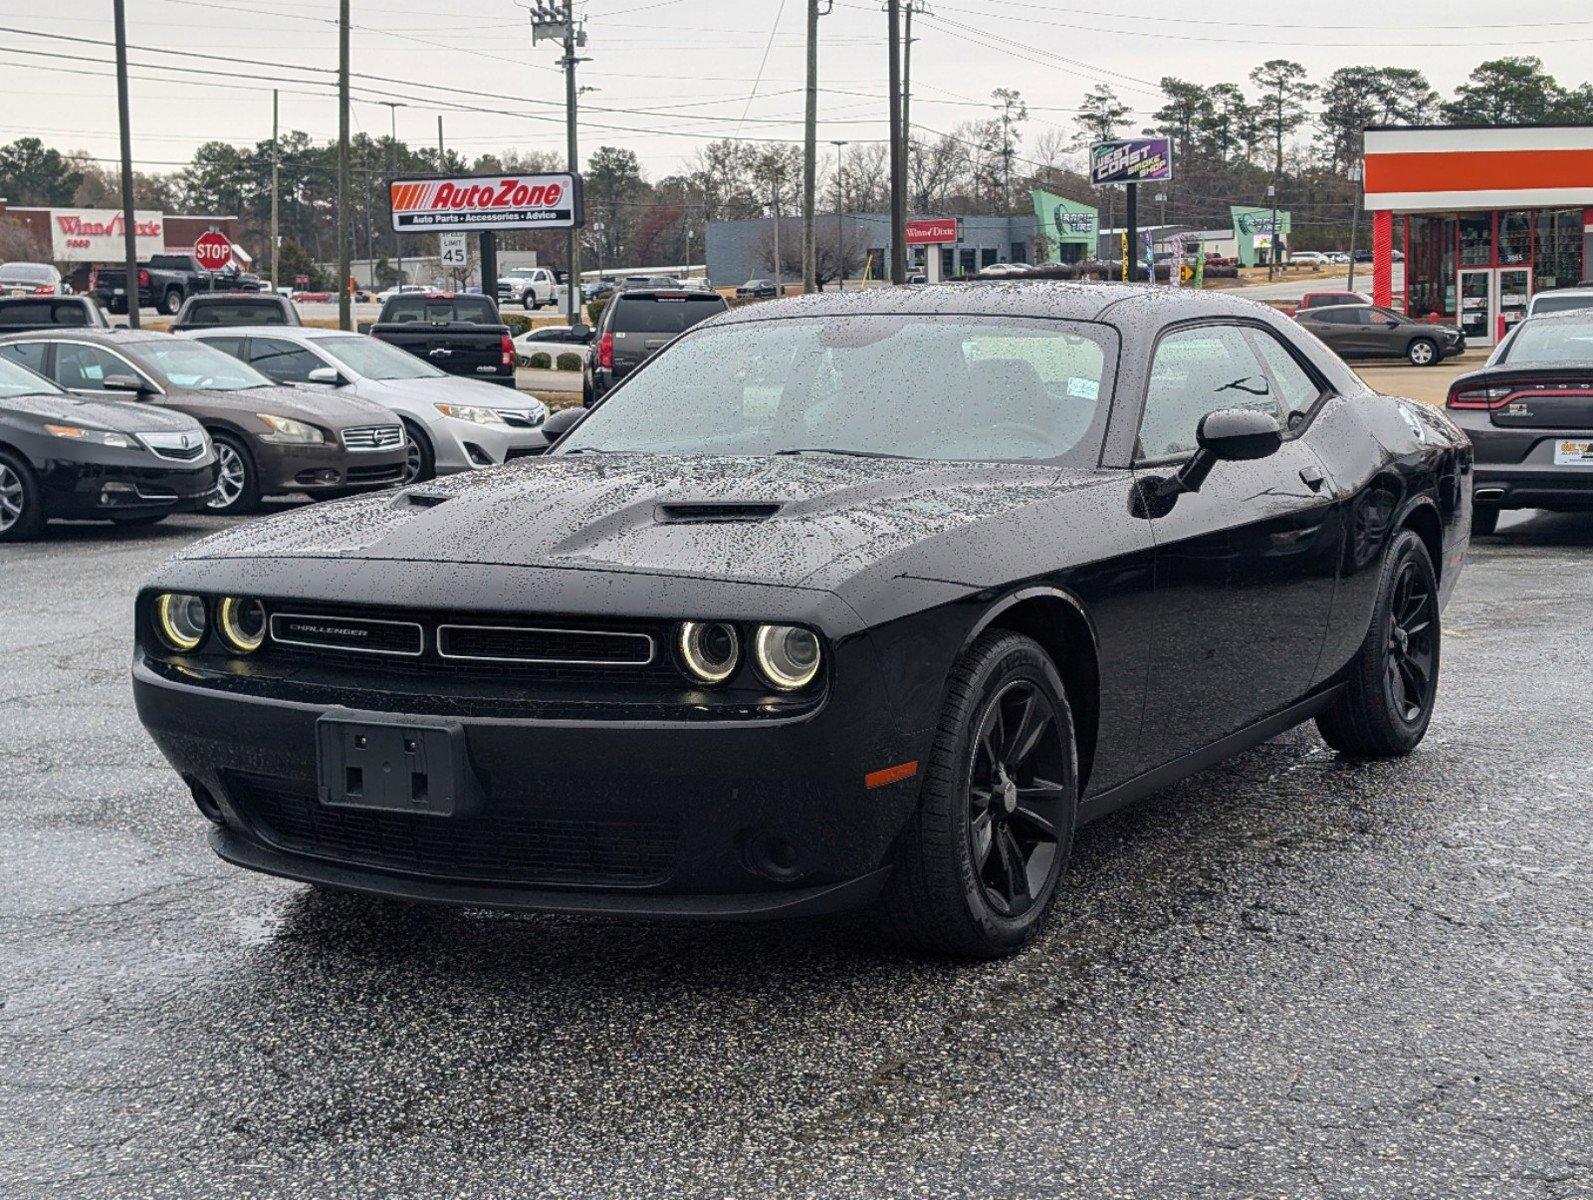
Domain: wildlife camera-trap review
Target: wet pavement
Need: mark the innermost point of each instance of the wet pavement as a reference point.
(1288, 976)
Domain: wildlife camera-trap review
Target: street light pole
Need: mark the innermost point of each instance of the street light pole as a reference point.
(129, 229)
(392, 141)
(276, 184)
(840, 226)
(898, 151)
(345, 312)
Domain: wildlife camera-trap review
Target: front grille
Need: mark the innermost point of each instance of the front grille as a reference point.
(388, 474)
(526, 848)
(183, 447)
(521, 418)
(564, 647)
(351, 635)
(373, 437)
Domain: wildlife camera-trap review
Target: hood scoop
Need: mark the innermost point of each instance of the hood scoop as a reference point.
(716, 512)
(425, 499)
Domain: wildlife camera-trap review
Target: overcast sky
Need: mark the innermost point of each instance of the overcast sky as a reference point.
(672, 73)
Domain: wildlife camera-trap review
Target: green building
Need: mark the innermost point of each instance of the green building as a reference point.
(1067, 229)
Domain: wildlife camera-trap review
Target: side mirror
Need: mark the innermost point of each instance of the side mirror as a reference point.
(326, 375)
(124, 383)
(1390, 323)
(363, 326)
(581, 333)
(561, 422)
(1227, 435)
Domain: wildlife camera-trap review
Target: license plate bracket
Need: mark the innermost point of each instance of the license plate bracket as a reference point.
(395, 764)
(1573, 452)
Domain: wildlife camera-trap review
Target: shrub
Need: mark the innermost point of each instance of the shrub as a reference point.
(540, 361)
(517, 323)
(594, 310)
(569, 361)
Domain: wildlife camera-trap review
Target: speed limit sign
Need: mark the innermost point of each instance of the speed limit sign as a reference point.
(454, 251)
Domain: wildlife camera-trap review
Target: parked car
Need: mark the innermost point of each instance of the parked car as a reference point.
(634, 325)
(532, 287)
(164, 282)
(758, 289)
(920, 578)
(1366, 331)
(230, 308)
(1309, 258)
(600, 289)
(31, 279)
(457, 333)
(452, 424)
(1560, 300)
(269, 439)
(554, 340)
(1529, 414)
(62, 456)
(21, 313)
(1339, 258)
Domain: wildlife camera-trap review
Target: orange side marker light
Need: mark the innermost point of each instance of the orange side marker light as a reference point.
(885, 775)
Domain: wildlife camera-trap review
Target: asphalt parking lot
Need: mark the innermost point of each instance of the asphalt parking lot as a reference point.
(1289, 976)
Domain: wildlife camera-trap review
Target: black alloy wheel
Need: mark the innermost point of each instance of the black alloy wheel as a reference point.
(978, 866)
(1388, 698)
(1014, 798)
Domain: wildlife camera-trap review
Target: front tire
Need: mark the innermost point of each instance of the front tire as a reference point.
(1393, 683)
(421, 462)
(21, 505)
(978, 866)
(237, 480)
(1423, 352)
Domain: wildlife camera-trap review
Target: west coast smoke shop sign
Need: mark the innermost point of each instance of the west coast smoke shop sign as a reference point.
(1253, 231)
(486, 202)
(1065, 222)
(1131, 160)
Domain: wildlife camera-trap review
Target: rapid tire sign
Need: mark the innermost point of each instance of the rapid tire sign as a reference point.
(481, 202)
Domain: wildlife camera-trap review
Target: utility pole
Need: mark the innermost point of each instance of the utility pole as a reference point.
(441, 153)
(553, 20)
(840, 226)
(392, 142)
(810, 151)
(1272, 234)
(345, 312)
(779, 278)
(893, 22)
(129, 228)
(276, 184)
(907, 69)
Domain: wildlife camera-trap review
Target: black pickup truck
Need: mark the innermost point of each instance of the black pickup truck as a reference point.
(459, 334)
(164, 282)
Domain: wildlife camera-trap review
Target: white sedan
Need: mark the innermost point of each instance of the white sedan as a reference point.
(453, 424)
(554, 340)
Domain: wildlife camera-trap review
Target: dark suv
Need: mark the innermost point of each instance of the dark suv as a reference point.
(635, 325)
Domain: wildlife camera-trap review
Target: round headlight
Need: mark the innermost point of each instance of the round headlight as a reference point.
(182, 619)
(787, 656)
(242, 623)
(710, 650)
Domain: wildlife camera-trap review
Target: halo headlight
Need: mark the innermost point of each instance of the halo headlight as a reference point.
(181, 619)
(242, 622)
(711, 650)
(787, 656)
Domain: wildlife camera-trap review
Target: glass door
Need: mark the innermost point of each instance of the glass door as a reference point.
(1513, 290)
(1477, 305)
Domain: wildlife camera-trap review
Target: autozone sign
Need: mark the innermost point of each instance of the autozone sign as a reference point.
(95, 234)
(486, 202)
(931, 231)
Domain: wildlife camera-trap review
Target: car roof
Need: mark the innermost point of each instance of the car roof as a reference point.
(1569, 314)
(1573, 292)
(301, 332)
(90, 333)
(1008, 297)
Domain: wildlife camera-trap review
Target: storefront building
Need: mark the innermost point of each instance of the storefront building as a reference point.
(78, 239)
(1066, 231)
(1485, 216)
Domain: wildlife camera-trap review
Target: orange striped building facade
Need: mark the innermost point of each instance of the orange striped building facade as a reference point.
(1484, 216)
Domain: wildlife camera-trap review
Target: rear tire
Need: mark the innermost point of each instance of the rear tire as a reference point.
(170, 301)
(1484, 519)
(21, 504)
(1423, 352)
(978, 865)
(1385, 709)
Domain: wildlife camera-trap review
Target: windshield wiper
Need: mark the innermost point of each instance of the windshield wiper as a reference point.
(847, 453)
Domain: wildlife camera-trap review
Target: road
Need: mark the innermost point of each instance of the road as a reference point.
(1292, 288)
(1290, 976)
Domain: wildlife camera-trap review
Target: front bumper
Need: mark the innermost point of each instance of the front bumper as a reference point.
(325, 467)
(465, 446)
(104, 488)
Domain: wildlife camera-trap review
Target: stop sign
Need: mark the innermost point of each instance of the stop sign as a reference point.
(213, 250)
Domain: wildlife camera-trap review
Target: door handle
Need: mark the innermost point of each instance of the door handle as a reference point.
(1312, 478)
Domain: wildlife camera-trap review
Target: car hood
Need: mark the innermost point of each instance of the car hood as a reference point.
(123, 416)
(450, 388)
(316, 405)
(831, 516)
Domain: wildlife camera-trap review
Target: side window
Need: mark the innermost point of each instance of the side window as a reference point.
(1195, 372)
(85, 368)
(227, 345)
(1297, 392)
(29, 354)
(282, 361)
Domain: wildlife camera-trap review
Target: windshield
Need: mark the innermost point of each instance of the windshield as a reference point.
(19, 381)
(1566, 340)
(438, 310)
(915, 386)
(1551, 303)
(195, 365)
(377, 360)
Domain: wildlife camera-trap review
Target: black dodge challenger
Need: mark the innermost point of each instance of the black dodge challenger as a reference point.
(839, 601)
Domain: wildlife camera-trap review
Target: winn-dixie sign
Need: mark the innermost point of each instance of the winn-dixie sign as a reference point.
(95, 234)
(486, 202)
(1132, 160)
(930, 231)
